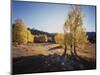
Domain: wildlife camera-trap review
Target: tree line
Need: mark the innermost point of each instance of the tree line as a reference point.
(22, 35)
(74, 33)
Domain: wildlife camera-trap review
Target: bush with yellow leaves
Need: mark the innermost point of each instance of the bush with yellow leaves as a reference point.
(59, 38)
(20, 33)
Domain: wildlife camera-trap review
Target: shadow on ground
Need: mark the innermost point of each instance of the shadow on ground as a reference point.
(51, 63)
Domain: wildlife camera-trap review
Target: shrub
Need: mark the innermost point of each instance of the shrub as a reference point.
(59, 38)
(30, 37)
(20, 33)
(40, 38)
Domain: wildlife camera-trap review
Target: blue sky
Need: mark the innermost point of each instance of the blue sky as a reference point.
(49, 17)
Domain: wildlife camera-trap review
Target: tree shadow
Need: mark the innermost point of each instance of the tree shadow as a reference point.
(51, 63)
(83, 63)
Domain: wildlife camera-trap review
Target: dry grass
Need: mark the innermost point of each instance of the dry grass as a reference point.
(43, 49)
(88, 52)
(28, 50)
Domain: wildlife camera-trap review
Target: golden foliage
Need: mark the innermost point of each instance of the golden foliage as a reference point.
(30, 37)
(81, 38)
(41, 38)
(74, 24)
(59, 38)
(20, 33)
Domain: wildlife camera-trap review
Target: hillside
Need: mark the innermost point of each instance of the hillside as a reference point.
(39, 32)
(91, 35)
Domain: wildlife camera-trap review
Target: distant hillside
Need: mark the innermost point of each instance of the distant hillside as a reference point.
(91, 35)
(39, 32)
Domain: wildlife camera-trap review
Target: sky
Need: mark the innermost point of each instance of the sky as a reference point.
(50, 17)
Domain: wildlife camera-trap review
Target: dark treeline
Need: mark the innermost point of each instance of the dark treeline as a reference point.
(39, 32)
(91, 35)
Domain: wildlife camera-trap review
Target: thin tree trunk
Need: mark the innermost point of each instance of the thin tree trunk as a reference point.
(65, 50)
(71, 45)
(71, 49)
(74, 44)
(75, 53)
(75, 50)
(65, 43)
